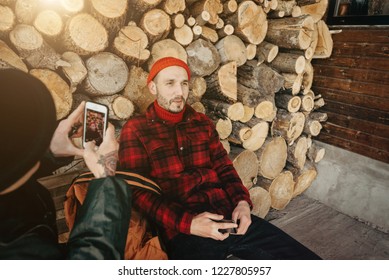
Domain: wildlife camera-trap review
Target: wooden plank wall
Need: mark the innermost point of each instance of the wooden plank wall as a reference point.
(354, 83)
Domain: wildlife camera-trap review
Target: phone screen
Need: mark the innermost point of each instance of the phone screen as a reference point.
(94, 127)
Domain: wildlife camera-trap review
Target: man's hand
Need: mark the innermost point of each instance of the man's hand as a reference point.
(242, 213)
(61, 144)
(102, 160)
(204, 226)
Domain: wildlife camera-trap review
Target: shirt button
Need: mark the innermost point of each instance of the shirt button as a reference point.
(181, 148)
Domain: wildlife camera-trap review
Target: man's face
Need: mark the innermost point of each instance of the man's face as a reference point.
(171, 86)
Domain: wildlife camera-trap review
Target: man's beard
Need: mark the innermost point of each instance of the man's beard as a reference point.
(166, 104)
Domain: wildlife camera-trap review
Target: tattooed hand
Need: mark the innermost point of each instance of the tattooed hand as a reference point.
(102, 160)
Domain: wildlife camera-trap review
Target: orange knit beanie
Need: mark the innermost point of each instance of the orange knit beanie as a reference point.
(164, 63)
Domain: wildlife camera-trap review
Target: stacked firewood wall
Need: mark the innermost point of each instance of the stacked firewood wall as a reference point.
(250, 60)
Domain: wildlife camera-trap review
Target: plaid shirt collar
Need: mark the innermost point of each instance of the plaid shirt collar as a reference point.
(190, 115)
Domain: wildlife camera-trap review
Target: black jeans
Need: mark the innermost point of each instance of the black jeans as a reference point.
(261, 241)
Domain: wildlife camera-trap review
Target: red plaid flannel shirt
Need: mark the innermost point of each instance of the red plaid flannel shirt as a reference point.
(188, 162)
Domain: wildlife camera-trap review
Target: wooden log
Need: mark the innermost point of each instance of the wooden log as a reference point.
(318, 103)
(226, 145)
(280, 189)
(292, 83)
(303, 177)
(178, 20)
(111, 15)
(240, 133)
(49, 24)
(250, 22)
(84, 35)
(233, 111)
(272, 157)
(291, 33)
(306, 2)
(297, 152)
(120, 107)
(315, 153)
(260, 77)
(222, 84)
(172, 7)
(26, 10)
(139, 7)
(183, 35)
(288, 125)
(288, 102)
(285, 7)
(261, 201)
(203, 57)
(9, 59)
(197, 30)
(107, 74)
(209, 34)
(247, 172)
(213, 7)
(267, 51)
(136, 89)
(324, 42)
(79, 97)
(131, 45)
(307, 103)
(275, 14)
(197, 88)
(167, 47)
(311, 126)
(58, 88)
(156, 24)
(203, 18)
(259, 133)
(199, 107)
(229, 7)
(289, 63)
(76, 72)
(223, 126)
(33, 49)
(251, 51)
(230, 48)
(8, 21)
(248, 96)
(228, 29)
(248, 114)
(266, 109)
(318, 116)
(191, 21)
(71, 7)
(316, 10)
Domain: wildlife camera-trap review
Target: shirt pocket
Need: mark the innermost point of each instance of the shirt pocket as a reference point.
(165, 162)
(199, 153)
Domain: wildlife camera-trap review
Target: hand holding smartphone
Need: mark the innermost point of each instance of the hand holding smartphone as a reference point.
(95, 123)
(226, 230)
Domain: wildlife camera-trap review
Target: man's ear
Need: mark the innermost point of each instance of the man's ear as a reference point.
(152, 88)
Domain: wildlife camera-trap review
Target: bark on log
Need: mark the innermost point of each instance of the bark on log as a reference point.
(291, 33)
(297, 152)
(240, 133)
(292, 83)
(259, 133)
(139, 7)
(156, 24)
(107, 74)
(111, 15)
(120, 108)
(232, 48)
(288, 102)
(318, 116)
(280, 189)
(247, 172)
(260, 77)
(167, 47)
(131, 45)
(261, 201)
(203, 18)
(324, 42)
(136, 89)
(8, 21)
(58, 88)
(213, 7)
(311, 126)
(197, 88)
(272, 157)
(316, 10)
(303, 178)
(222, 84)
(9, 59)
(288, 125)
(228, 29)
(248, 96)
(250, 22)
(229, 7)
(203, 57)
(33, 49)
(233, 111)
(84, 35)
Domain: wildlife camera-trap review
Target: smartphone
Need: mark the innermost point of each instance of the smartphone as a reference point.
(95, 123)
(224, 230)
